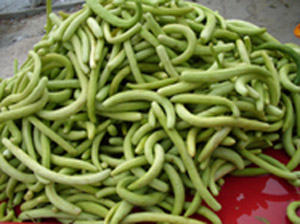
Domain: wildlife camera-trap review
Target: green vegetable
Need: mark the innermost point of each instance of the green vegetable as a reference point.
(129, 104)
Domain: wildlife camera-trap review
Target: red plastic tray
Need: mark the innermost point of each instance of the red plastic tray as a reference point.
(256, 200)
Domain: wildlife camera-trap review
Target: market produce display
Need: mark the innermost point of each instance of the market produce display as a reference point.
(125, 107)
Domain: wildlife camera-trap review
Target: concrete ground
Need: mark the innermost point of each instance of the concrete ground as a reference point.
(7, 6)
(17, 36)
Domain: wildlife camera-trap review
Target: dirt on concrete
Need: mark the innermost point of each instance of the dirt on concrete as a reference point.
(17, 38)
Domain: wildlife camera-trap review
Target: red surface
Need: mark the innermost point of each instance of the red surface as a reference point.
(249, 200)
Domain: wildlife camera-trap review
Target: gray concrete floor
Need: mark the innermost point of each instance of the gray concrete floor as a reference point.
(7, 6)
(17, 36)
